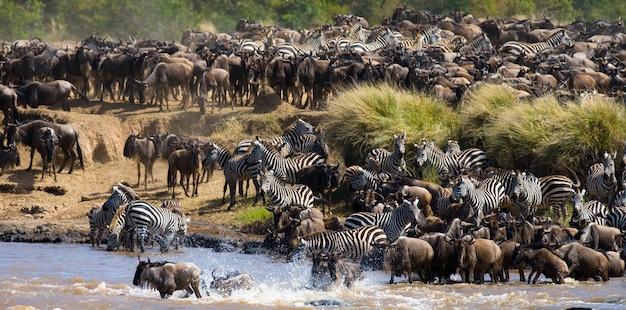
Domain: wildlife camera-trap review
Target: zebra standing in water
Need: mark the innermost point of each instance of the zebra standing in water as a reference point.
(354, 243)
(390, 162)
(100, 217)
(601, 179)
(512, 50)
(470, 160)
(592, 211)
(393, 223)
(283, 196)
(143, 218)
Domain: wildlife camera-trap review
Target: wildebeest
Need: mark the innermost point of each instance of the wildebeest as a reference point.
(408, 255)
(584, 262)
(37, 93)
(47, 146)
(543, 261)
(218, 80)
(478, 256)
(189, 162)
(8, 104)
(225, 282)
(146, 150)
(166, 76)
(330, 268)
(120, 66)
(167, 277)
(28, 134)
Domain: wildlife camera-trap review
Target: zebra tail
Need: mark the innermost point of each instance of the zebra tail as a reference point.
(577, 184)
(80, 153)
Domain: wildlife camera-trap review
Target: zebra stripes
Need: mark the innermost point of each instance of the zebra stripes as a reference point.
(382, 40)
(143, 218)
(283, 196)
(313, 45)
(515, 49)
(390, 162)
(556, 192)
(393, 223)
(617, 218)
(236, 168)
(357, 178)
(592, 211)
(601, 179)
(486, 196)
(523, 189)
(258, 46)
(478, 45)
(286, 168)
(100, 217)
(354, 243)
(471, 159)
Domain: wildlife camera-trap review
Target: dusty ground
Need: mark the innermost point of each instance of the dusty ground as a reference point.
(36, 210)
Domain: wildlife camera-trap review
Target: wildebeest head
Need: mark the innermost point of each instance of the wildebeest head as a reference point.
(130, 147)
(141, 267)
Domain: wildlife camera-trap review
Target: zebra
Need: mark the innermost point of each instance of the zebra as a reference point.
(283, 196)
(486, 197)
(471, 159)
(118, 233)
(314, 44)
(390, 162)
(286, 168)
(353, 244)
(617, 218)
(478, 45)
(100, 217)
(382, 40)
(451, 44)
(515, 49)
(236, 168)
(143, 218)
(556, 191)
(522, 188)
(358, 178)
(601, 179)
(258, 46)
(453, 147)
(393, 223)
(592, 211)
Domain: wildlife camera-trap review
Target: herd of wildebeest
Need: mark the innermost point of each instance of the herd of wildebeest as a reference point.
(476, 220)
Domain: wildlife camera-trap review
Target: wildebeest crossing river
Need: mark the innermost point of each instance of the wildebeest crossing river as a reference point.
(67, 276)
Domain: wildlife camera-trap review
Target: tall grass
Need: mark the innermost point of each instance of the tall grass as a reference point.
(542, 135)
(366, 117)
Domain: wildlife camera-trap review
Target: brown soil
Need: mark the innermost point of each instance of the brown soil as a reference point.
(36, 210)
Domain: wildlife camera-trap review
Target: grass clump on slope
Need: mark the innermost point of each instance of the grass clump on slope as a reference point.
(367, 116)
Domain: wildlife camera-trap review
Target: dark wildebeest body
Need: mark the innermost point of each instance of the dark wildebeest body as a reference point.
(189, 162)
(49, 93)
(168, 277)
(218, 80)
(166, 76)
(121, 66)
(78, 64)
(8, 103)
(28, 134)
(19, 70)
(47, 146)
(146, 150)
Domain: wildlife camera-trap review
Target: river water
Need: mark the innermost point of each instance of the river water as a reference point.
(68, 276)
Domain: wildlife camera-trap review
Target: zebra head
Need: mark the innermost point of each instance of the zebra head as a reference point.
(211, 154)
(608, 163)
(565, 39)
(578, 201)
(461, 188)
(421, 156)
(453, 147)
(399, 143)
(268, 179)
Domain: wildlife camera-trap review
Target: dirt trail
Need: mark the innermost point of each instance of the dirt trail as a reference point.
(32, 209)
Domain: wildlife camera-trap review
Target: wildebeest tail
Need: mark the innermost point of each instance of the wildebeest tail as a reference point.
(80, 93)
(80, 152)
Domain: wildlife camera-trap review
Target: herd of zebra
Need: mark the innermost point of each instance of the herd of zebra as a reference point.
(485, 202)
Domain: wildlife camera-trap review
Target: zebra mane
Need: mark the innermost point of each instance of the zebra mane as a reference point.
(128, 191)
(113, 227)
